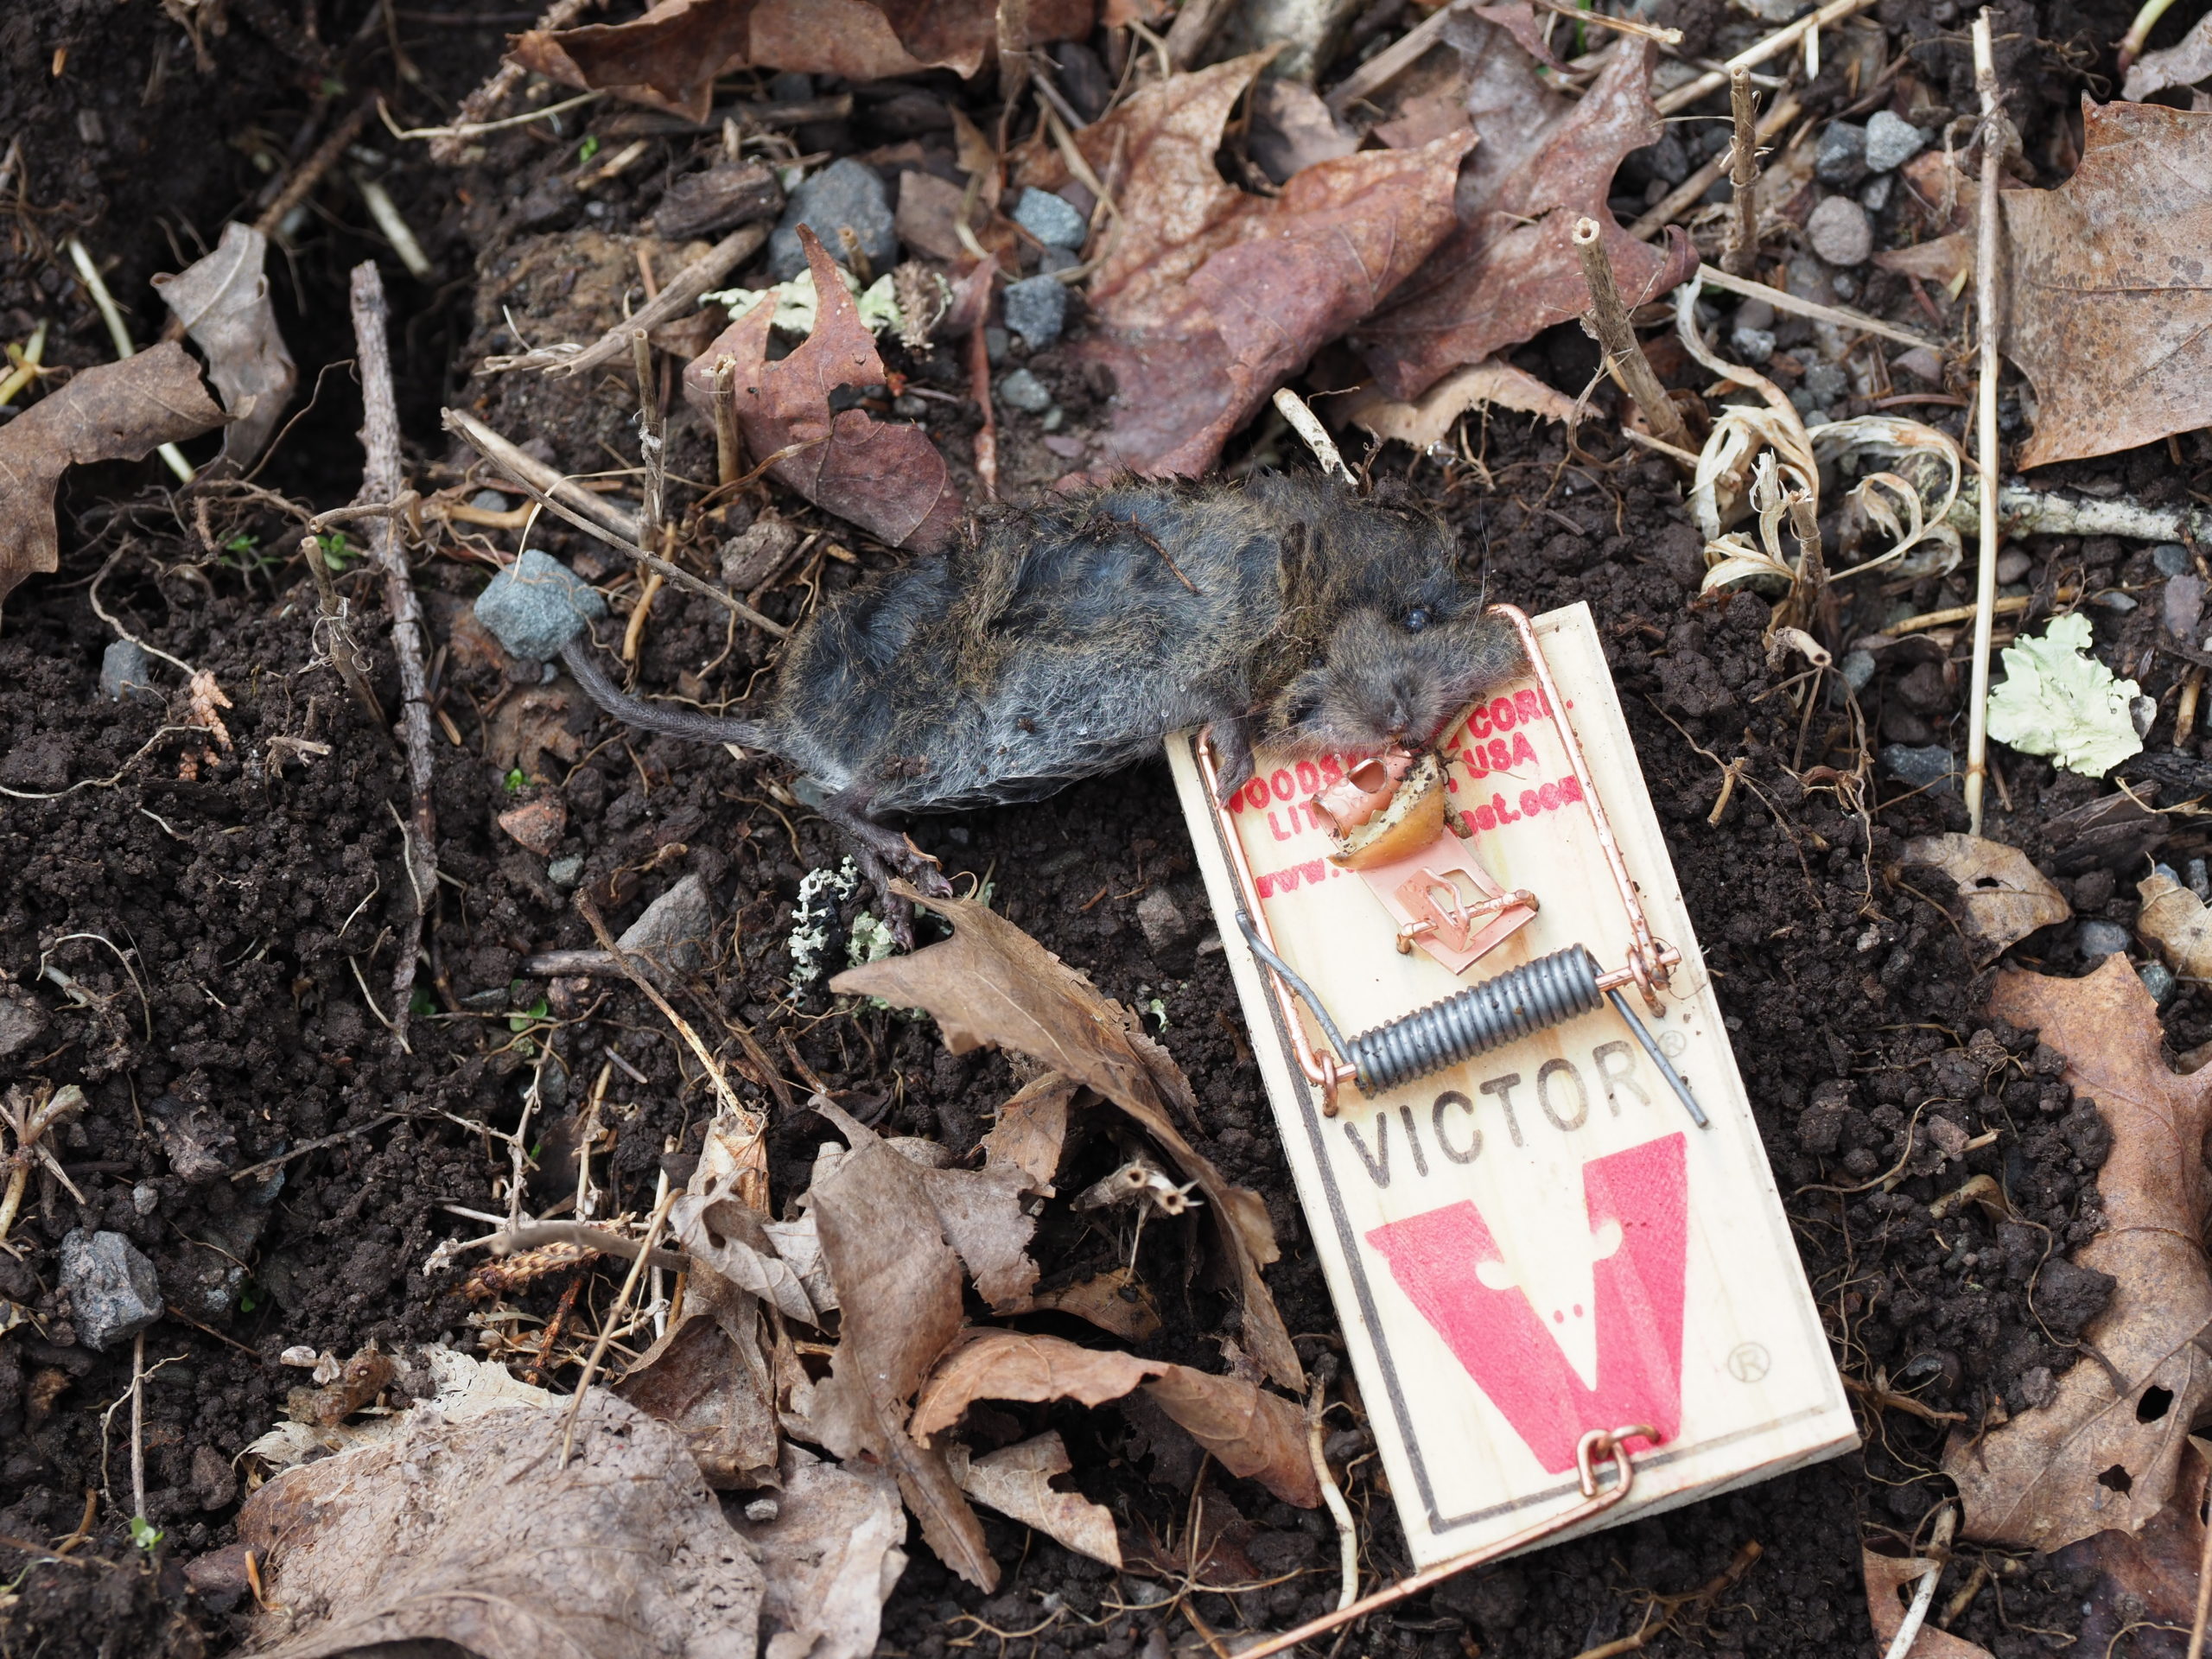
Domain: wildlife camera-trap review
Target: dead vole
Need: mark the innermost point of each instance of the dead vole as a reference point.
(1289, 613)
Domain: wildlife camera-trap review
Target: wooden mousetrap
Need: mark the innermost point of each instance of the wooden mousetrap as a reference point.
(1525, 1155)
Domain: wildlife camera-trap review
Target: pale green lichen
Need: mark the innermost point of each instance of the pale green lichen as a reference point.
(797, 304)
(815, 909)
(2059, 700)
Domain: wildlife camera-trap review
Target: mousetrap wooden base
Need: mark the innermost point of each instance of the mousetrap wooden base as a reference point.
(1540, 1241)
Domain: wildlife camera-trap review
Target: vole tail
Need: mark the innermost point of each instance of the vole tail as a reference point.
(660, 716)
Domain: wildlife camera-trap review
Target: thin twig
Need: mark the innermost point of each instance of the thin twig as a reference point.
(729, 451)
(1773, 46)
(525, 468)
(987, 436)
(1986, 323)
(530, 1234)
(1193, 30)
(1625, 356)
(338, 641)
(1691, 191)
(1742, 251)
(138, 1426)
(309, 175)
(1939, 1548)
(1841, 316)
(1393, 59)
(451, 145)
(613, 1317)
(1347, 1533)
(381, 484)
(590, 911)
(679, 295)
(1303, 421)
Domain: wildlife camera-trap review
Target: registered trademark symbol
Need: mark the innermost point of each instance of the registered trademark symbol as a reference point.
(1672, 1043)
(1749, 1361)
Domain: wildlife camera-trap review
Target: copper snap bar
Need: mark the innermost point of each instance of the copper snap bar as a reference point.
(1600, 1446)
(1538, 995)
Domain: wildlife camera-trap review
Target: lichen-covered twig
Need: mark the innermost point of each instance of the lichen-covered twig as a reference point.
(380, 485)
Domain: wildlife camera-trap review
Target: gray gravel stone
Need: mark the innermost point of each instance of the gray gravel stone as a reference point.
(2012, 564)
(995, 344)
(2097, 940)
(675, 928)
(1024, 391)
(1037, 308)
(2158, 979)
(2171, 558)
(846, 194)
(1839, 157)
(566, 871)
(2114, 601)
(1753, 346)
(535, 606)
(1165, 924)
(1827, 383)
(1051, 220)
(22, 1021)
(1857, 669)
(1891, 141)
(1840, 231)
(1919, 767)
(1874, 194)
(127, 672)
(113, 1290)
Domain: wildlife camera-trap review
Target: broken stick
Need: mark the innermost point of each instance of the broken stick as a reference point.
(1608, 321)
(1743, 249)
(1994, 131)
(380, 485)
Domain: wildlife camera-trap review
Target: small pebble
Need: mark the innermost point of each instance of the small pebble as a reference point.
(112, 1290)
(996, 344)
(1890, 141)
(1827, 383)
(2171, 558)
(675, 929)
(848, 194)
(1839, 158)
(762, 1509)
(1024, 391)
(913, 408)
(1753, 346)
(2097, 940)
(566, 871)
(1922, 362)
(1037, 307)
(2143, 711)
(1921, 767)
(127, 672)
(2158, 979)
(1051, 220)
(2182, 605)
(1053, 416)
(535, 606)
(488, 501)
(1857, 669)
(2113, 600)
(2011, 565)
(1840, 232)
(1874, 194)
(145, 1198)
(1754, 313)
(2200, 878)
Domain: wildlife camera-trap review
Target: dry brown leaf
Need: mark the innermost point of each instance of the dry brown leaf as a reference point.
(1251, 1432)
(1509, 272)
(670, 57)
(724, 1237)
(2094, 1458)
(831, 1557)
(929, 215)
(2109, 301)
(2150, 1574)
(2004, 897)
(1890, 1583)
(1208, 297)
(980, 1213)
(119, 411)
(1017, 1481)
(2176, 921)
(887, 477)
(471, 1534)
(223, 302)
(1945, 259)
(898, 1293)
(708, 1380)
(2184, 63)
(1428, 420)
(1118, 1303)
(992, 983)
(1032, 1127)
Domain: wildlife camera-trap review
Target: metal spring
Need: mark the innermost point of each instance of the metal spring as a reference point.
(1533, 997)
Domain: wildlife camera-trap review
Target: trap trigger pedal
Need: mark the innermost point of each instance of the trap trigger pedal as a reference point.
(1444, 902)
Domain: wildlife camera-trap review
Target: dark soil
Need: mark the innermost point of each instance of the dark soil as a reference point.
(206, 956)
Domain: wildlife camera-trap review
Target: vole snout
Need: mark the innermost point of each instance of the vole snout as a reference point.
(1380, 682)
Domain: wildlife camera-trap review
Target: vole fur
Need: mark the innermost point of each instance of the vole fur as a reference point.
(1290, 613)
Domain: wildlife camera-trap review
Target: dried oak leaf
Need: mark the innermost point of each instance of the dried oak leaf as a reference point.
(119, 411)
(1510, 270)
(1252, 1432)
(2147, 1575)
(1017, 1481)
(471, 1535)
(670, 57)
(1891, 1582)
(1208, 297)
(708, 1380)
(887, 479)
(2097, 1457)
(2178, 923)
(1031, 1129)
(831, 1556)
(2109, 301)
(223, 302)
(2184, 63)
(2004, 897)
(991, 983)
(898, 1294)
(1118, 1303)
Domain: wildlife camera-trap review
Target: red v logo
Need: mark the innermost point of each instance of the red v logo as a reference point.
(1439, 1260)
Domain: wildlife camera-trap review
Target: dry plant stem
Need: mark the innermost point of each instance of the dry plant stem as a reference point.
(677, 298)
(1939, 1542)
(651, 451)
(590, 911)
(138, 1426)
(1687, 194)
(2012, 606)
(633, 636)
(613, 1317)
(345, 650)
(1393, 59)
(1347, 1533)
(1618, 25)
(527, 469)
(119, 332)
(1773, 46)
(1304, 421)
(530, 1234)
(1625, 356)
(987, 436)
(477, 107)
(2185, 711)
(729, 453)
(1986, 278)
(381, 484)
(1743, 247)
(1841, 316)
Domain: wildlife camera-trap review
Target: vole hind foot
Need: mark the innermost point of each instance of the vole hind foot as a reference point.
(886, 856)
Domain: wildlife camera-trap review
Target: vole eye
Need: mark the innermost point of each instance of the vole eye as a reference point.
(1416, 618)
(1301, 709)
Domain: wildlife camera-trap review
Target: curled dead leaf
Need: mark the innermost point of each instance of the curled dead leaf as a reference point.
(472, 1535)
(2098, 1457)
(2176, 921)
(2003, 896)
(831, 1556)
(1031, 1129)
(117, 411)
(223, 302)
(1118, 1303)
(1427, 421)
(992, 983)
(2147, 1575)
(887, 477)
(708, 1380)
(1016, 1481)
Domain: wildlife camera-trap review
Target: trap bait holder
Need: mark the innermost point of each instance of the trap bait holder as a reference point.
(1503, 1008)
